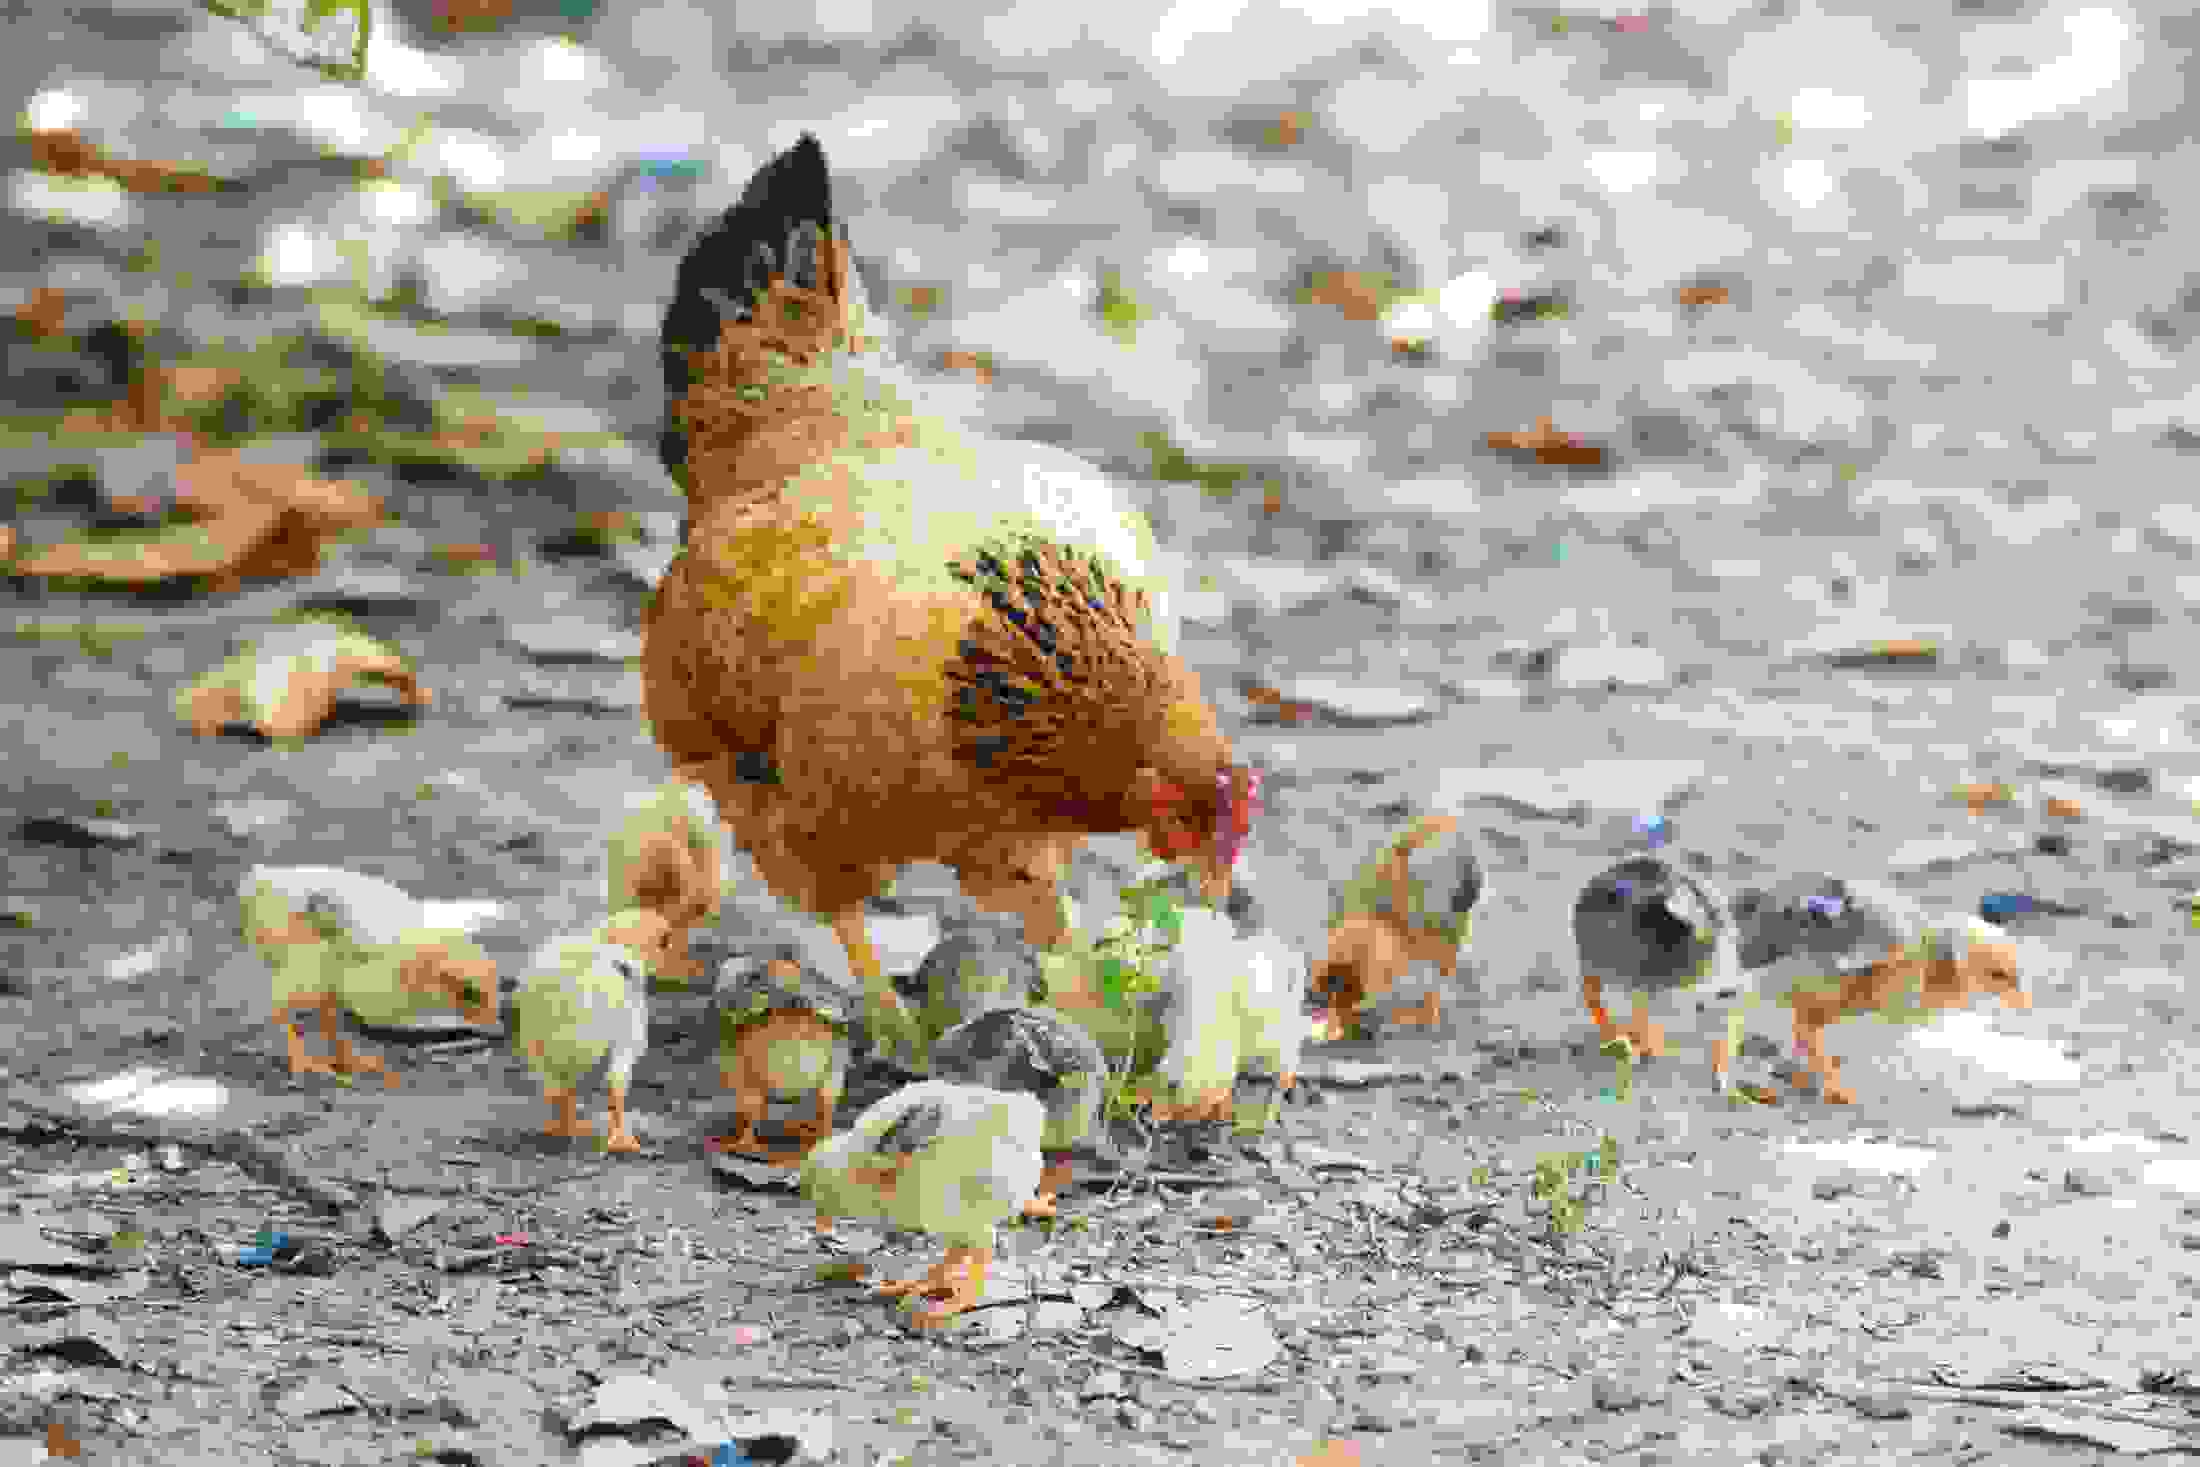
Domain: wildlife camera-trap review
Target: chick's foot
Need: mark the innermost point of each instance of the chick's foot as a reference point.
(951, 1286)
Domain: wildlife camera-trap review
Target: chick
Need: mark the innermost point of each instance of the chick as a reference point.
(1275, 1025)
(336, 940)
(664, 859)
(1033, 1052)
(1232, 1000)
(783, 1030)
(933, 1157)
(1413, 902)
(586, 996)
(1829, 948)
(982, 965)
(1653, 927)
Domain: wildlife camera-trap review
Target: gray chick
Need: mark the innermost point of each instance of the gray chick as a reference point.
(1652, 927)
(1039, 1053)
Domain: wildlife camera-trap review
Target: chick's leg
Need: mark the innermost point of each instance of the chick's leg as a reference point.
(1649, 1038)
(350, 1062)
(620, 1138)
(1592, 998)
(1059, 1173)
(1810, 1043)
(821, 1125)
(1725, 1047)
(949, 1287)
(346, 1060)
(740, 1075)
(566, 1121)
(301, 1063)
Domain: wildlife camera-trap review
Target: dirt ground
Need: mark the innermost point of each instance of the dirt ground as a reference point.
(1990, 1257)
(1729, 1294)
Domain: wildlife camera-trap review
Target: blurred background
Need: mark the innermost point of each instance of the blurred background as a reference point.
(1659, 368)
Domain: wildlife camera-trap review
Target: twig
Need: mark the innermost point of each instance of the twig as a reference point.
(2075, 1401)
(790, 1382)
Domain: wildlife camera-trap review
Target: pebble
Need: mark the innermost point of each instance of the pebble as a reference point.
(574, 639)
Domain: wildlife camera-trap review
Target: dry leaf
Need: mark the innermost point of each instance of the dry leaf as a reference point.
(288, 684)
(243, 520)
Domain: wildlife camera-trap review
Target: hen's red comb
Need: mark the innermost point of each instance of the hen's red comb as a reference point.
(1234, 812)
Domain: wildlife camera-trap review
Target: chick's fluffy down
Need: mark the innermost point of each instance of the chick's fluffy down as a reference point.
(583, 997)
(947, 1160)
(1213, 1018)
(366, 909)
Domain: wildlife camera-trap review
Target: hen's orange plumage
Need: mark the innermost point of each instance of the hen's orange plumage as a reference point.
(877, 646)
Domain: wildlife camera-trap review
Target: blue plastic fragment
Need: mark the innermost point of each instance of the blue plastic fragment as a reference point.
(1824, 906)
(1653, 828)
(1997, 904)
(670, 165)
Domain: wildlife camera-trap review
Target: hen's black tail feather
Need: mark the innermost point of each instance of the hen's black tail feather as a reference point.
(777, 228)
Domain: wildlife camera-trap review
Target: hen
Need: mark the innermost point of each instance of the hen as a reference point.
(1830, 948)
(885, 642)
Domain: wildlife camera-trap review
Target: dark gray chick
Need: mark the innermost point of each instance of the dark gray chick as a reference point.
(1039, 1053)
(983, 964)
(1652, 927)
